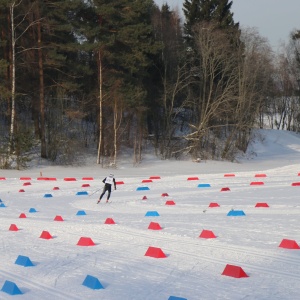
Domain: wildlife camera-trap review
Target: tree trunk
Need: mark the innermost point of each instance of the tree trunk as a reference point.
(115, 130)
(7, 57)
(13, 80)
(100, 108)
(41, 89)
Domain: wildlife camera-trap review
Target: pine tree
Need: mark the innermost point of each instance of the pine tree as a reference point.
(196, 11)
(45, 52)
(119, 38)
(167, 83)
(4, 61)
(56, 59)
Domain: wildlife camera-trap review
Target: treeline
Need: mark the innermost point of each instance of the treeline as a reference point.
(82, 76)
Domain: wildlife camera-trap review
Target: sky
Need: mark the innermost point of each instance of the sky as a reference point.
(274, 19)
(212, 230)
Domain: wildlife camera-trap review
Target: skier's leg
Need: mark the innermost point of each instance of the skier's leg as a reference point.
(101, 195)
(108, 194)
(103, 192)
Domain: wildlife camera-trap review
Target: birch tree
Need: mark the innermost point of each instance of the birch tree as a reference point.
(16, 31)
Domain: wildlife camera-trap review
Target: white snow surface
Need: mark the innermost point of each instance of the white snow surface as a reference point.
(193, 267)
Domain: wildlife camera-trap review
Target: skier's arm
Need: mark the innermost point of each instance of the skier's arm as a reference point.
(115, 184)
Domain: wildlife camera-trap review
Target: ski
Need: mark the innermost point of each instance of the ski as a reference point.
(106, 202)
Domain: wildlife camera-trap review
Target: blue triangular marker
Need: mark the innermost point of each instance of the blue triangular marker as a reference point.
(24, 261)
(151, 214)
(142, 188)
(92, 283)
(47, 196)
(236, 213)
(203, 185)
(10, 288)
(82, 193)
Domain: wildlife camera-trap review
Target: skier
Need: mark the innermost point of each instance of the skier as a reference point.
(108, 181)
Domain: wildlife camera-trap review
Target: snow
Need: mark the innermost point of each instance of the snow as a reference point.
(193, 266)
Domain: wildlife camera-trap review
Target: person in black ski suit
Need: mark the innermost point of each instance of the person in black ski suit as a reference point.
(108, 182)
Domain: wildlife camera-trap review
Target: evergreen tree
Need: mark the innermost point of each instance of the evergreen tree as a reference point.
(196, 11)
(4, 61)
(56, 59)
(119, 38)
(46, 49)
(167, 85)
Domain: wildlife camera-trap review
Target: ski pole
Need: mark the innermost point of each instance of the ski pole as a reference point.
(94, 192)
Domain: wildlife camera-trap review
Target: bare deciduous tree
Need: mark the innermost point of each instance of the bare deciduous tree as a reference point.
(16, 33)
(215, 77)
(285, 105)
(255, 83)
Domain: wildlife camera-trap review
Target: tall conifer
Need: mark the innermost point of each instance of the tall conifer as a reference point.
(196, 11)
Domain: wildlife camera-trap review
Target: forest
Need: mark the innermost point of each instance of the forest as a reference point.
(100, 77)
